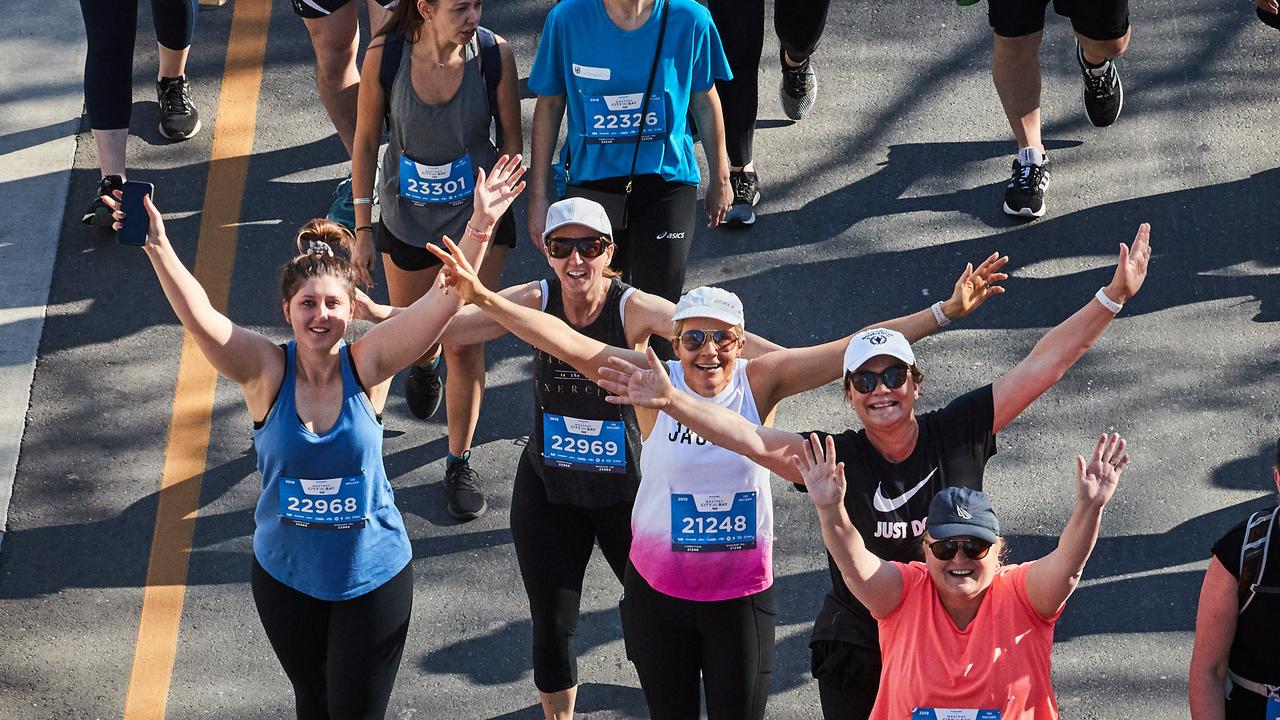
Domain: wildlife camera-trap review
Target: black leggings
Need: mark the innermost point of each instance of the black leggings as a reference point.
(654, 249)
(111, 27)
(848, 679)
(729, 643)
(799, 24)
(553, 544)
(341, 657)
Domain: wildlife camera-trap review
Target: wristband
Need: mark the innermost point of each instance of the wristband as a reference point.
(477, 234)
(364, 227)
(940, 316)
(361, 201)
(1107, 302)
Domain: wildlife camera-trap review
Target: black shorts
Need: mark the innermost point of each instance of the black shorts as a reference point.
(412, 258)
(1094, 19)
(312, 9)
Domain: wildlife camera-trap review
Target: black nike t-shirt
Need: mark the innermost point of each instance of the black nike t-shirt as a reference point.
(889, 502)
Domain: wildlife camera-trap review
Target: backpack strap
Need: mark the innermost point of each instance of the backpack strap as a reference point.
(1253, 554)
(491, 70)
(392, 50)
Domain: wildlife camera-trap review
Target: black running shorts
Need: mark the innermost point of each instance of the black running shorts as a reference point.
(412, 258)
(312, 9)
(1094, 19)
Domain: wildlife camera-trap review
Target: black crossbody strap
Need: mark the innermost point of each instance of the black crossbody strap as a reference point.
(648, 89)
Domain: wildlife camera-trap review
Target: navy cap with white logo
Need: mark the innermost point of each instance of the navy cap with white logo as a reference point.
(962, 512)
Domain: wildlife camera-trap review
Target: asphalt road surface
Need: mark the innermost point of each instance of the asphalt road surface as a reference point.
(871, 207)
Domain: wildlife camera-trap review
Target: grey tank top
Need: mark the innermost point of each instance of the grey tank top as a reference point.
(434, 135)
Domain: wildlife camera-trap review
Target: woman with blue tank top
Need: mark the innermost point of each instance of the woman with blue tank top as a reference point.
(698, 608)
(331, 574)
(439, 81)
(627, 73)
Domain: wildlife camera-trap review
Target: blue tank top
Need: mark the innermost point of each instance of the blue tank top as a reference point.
(327, 523)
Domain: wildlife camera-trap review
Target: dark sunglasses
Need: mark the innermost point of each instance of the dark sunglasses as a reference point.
(695, 340)
(588, 247)
(973, 549)
(865, 381)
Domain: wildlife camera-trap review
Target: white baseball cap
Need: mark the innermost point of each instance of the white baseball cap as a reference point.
(877, 341)
(710, 302)
(577, 211)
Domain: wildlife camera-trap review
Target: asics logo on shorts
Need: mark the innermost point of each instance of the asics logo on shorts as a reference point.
(670, 236)
(883, 504)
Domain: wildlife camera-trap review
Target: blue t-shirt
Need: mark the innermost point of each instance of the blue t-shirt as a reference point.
(602, 71)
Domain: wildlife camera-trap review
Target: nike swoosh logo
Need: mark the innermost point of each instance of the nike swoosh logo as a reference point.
(883, 504)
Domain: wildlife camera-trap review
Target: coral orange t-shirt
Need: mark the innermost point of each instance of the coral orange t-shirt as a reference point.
(1000, 662)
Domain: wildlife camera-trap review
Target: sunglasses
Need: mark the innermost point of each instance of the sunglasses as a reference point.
(865, 381)
(947, 549)
(588, 247)
(695, 340)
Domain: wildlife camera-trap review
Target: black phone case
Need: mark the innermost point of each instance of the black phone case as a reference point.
(133, 230)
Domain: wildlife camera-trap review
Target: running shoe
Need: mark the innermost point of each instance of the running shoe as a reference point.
(98, 214)
(422, 391)
(799, 88)
(746, 193)
(1024, 196)
(1103, 93)
(464, 501)
(179, 119)
(341, 208)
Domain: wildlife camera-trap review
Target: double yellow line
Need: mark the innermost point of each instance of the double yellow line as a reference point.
(189, 426)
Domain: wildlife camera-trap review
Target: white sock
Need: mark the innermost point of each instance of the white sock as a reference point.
(1100, 70)
(1031, 156)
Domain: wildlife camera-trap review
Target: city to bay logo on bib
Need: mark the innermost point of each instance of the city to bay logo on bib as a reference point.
(619, 103)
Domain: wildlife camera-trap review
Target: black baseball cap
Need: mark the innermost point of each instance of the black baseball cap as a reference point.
(962, 512)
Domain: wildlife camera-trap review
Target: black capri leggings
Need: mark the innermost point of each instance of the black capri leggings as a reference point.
(799, 24)
(654, 249)
(111, 27)
(341, 657)
(729, 643)
(553, 544)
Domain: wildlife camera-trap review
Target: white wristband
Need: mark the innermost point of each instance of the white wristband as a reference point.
(1107, 302)
(940, 316)
(361, 201)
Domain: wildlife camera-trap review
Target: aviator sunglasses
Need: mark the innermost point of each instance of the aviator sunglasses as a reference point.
(865, 381)
(973, 549)
(588, 247)
(695, 340)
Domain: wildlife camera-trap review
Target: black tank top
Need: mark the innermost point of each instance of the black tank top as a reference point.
(585, 449)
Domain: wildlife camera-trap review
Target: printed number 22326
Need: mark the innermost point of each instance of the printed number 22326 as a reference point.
(623, 121)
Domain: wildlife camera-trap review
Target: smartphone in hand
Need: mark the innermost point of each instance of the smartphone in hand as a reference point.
(136, 223)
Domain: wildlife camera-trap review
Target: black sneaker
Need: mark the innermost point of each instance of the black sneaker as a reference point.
(464, 500)
(98, 214)
(422, 391)
(799, 88)
(179, 119)
(1103, 94)
(1024, 196)
(746, 193)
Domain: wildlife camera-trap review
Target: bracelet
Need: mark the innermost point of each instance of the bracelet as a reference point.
(940, 316)
(477, 234)
(364, 227)
(361, 201)
(1107, 302)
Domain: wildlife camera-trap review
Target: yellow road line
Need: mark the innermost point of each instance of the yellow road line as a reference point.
(189, 425)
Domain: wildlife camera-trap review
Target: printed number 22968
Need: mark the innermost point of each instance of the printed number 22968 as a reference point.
(322, 507)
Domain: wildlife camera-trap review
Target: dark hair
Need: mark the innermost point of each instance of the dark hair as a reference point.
(406, 20)
(319, 242)
(916, 374)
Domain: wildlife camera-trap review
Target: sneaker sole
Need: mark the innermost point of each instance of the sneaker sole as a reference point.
(1024, 212)
(178, 137)
(468, 516)
(1120, 88)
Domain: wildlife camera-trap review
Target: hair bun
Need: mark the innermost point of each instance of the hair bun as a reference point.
(322, 235)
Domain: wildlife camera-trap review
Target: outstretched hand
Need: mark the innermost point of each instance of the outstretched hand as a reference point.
(1131, 268)
(457, 274)
(496, 190)
(631, 385)
(1096, 481)
(823, 476)
(975, 285)
(155, 231)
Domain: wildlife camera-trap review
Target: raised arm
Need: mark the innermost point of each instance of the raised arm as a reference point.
(706, 109)
(1053, 578)
(1215, 631)
(242, 355)
(651, 388)
(548, 113)
(370, 110)
(541, 330)
(1062, 346)
(777, 376)
(470, 326)
(876, 583)
(398, 341)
